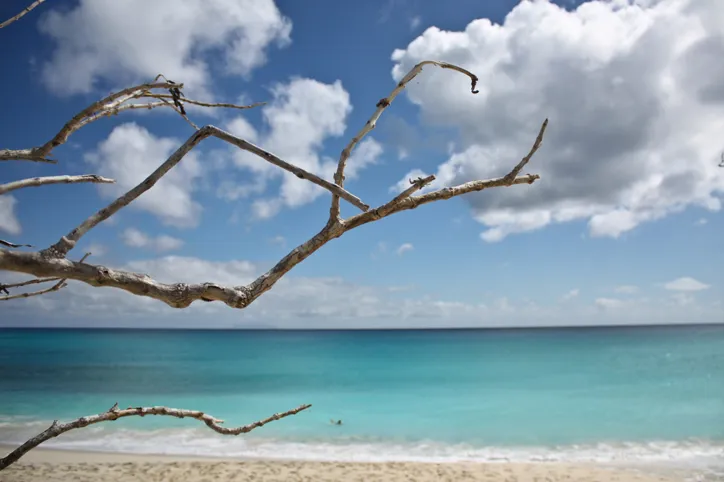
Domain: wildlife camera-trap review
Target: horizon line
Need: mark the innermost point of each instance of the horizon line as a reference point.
(338, 329)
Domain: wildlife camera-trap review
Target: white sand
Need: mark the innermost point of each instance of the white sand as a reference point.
(48, 466)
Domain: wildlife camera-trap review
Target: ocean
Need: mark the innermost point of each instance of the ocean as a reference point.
(650, 395)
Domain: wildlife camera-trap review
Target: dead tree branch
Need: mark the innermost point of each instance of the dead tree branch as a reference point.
(67, 242)
(114, 413)
(41, 181)
(112, 104)
(14, 245)
(61, 283)
(21, 14)
(5, 287)
(372, 123)
(51, 263)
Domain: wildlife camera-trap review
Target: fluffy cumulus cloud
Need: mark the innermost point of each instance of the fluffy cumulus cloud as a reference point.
(134, 40)
(8, 221)
(130, 154)
(324, 302)
(636, 112)
(302, 115)
(138, 239)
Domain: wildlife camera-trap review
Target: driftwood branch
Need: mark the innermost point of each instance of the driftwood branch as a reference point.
(67, 242)
(208, 104)
(372, 122)
(114, 413)
(181, 295)
(51, 264)
(61, 283)
(41, 181)
(113, 104)
(25, 11)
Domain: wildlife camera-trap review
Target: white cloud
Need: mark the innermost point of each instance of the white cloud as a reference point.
(609, 303)
(323, 302)
(8, 221)
(134, 40)
(405, 247)
(571, 294)
(685, 284)
(130, 154)
(626, 289)
(415, 22)
(137, 239)
(301, 116)
(701, 222)
(636, 114)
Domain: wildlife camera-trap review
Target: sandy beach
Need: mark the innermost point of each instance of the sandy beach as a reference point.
(51, 465)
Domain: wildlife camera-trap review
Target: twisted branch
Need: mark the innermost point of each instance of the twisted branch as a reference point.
(372, 122)
(114, 413)
(181, 295)
(67, 242)
(112, 104)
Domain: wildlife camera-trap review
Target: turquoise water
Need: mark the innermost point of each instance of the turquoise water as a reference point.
(613, 394)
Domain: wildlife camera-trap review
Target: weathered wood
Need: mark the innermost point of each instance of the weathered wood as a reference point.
(114, 413)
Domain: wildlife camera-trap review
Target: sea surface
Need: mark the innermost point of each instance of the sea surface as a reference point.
(649, 395)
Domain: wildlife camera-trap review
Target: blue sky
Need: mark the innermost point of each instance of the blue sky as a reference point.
(624, 226)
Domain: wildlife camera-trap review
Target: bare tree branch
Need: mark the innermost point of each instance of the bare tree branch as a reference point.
(372, 123)
(51, 264)
(416, 185)
(21, 14)
(67, 242)
(207, 104)
(27, 283)
(61, 283)
(114, 413)
(14, 245)
(41, 181)
(111, 105)
(181, 295)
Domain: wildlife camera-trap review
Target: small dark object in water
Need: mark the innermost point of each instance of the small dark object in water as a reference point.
(338, 422)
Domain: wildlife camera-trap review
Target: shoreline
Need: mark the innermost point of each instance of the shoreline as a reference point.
(49, 464)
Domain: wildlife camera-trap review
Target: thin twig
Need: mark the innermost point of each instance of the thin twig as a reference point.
(113, 105)
(27, 283)
(538, 141)
(61, 283)
(67, 242)
(21, 14)
(208, 104)
(372, 122)
(114, 413)
(417, 185)
(14, 245)
(41, 181)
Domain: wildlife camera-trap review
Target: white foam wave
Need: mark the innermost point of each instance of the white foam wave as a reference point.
(693, 454)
